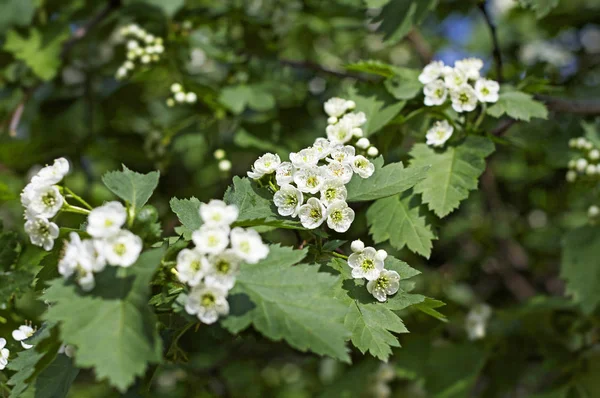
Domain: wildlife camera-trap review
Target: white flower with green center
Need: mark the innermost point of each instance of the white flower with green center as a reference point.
(288, 200)
(122, 249)
(211, 239)
(307, 157)
(362, 166)
(455, 79)
(248, 245)
(46, 201)
(322, 147)
(207, 303)
(385, 285)
(336, 107)
(435, 92)
(338, 171)
(266, 164)
(309, 179)
(341, 132)
(284, 173)
(23, 333)
(487, 90)
(470, 67)
(354, 119)
(343, 154)
(312, 214)
(225, 267)
(191, 266)
(464, 99)
(365, 264)
(53, 174)
(106, 221)
(41, 232)
(339, 216)
(431, 72)
(218, 213)
(439, 134)
(332, 190)
(4, 354)
(81, 258)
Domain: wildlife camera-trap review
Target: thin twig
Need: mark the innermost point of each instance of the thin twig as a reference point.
(496, 45)
(323, 69)
(415, 38)
(564, 105)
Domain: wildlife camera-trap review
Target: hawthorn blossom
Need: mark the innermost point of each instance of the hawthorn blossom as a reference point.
(192, 266)
(464, 98)
(332, 190)
(218, 213)
(53, 174)
(41, 232)
(469, 67)
(4, 354)
(339, 171)
(439, 133)
(385, 285)
(366, 264)
(207, 303)
(23, 333)
(362, 166)
(307, 157)
(431, 72)
(266, 164)
(343, 154)
(45, 201)
(336, 107)
(309, 180)
(284, 173)
(122, 249)
(435, 92)
(339, 216)
(224, 268)
(487, 90)
(106, 221)
(288, 200)
(341, 132)
(312, 214)
(248, 245)
(211, 239)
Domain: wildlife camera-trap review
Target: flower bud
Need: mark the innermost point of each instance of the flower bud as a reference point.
(573, 143)
(372, 152)
(381, 254)
(581, 142)
(146, 59)
(170, 102)
(180, 97)
(594, 154)
(190, 98)
(572, 163)
(176, 87)
(581, 164)
(571, 176)
(128, 65)
(132, 45)
(363, 143)
(357, 132)
(591, 169)
(224, 165)
(219, 154)
(332, 120)
(350, 104)
(593, 211)
(357, 246)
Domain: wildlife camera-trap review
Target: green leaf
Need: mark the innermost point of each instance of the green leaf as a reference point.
(13, 282)
(378, 106)
(291, 302)
(9, 245)
(580, 267)
(373, 67)
(398, 17)
(169, 8)
(541, 7)
(16, 12)
(397, 219)
(454, 172)
(112, 327)
(42, 56)
(132, 187)
(518, 105)
(405, 84)
(188, 212)
(385, 181)
(244, 139)
(55, 380)
(237, 98)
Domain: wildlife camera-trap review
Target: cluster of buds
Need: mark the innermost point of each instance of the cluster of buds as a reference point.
(180, 96)
(365, 145)
(224, 163)
(142, 48)
(593, 213)
(586, 163)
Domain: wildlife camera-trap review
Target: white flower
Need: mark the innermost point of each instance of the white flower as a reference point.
(309, 179)
(372, 151)
(387, 284)
(455, 79)
(338, 171)
(341, 132)
(23, 333)
(487, 90)
(363, 143)
(4, 354)
(362, 166)
(224, 268)
(176, 87)
(305, 158)
(365, 264)
(288, 200)
(82, 258)
(211, 239)
(312, 214)
(332, 190)
(266, 164)
(53, 174)
(354, 119)
(435, 93)
(343, 154)
(122, 249)
(357, 246)
(322, 146)
(464, 99)
(431, 72)
(439, 133)
(218, 213)
(41, 232)
(192, 266)
(191, 98)
(476, 321)
(180, 97)
(106, 220)
(336, 107)
(247, 245)
(45, 201)
(339, 216)
(284, 173)
(224, 165)
(28, 193)
(470, 67)
(207, 303)
(219, 154)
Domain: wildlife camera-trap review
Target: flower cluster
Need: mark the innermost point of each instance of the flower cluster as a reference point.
(224, 163)
(311, 185)
(142, 47)
(180, 96)
(210, 268)
(587, 162)
(42, 200)
(368, 263)
(477, 320)
(109, 244)
(438, 134)
(463, 84)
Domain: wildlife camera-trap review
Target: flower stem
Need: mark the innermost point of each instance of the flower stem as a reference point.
(67, 208)
(77, 198)
(480, 118)
(273, 186)
(339, 255)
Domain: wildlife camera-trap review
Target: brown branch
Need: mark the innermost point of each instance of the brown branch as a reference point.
(496, 44)
(323, 69)
(416, 39)
(564, 105)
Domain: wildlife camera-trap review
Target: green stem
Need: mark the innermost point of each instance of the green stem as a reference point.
(67, 208)
(413, 114)
(77, 198)
(339, 255)
(273, 186)
(480, 118)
